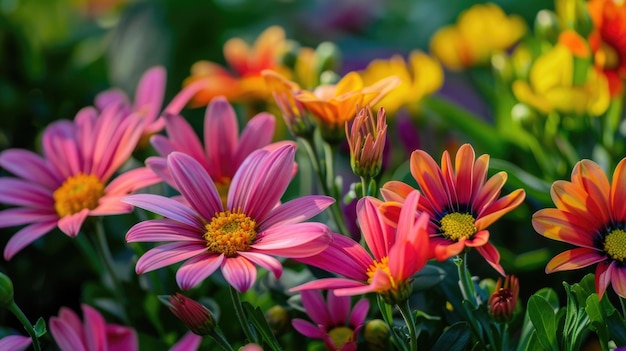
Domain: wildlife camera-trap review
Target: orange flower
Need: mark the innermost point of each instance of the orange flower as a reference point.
(335, 104)
(608, 41)
(244, 82)
(296, 118)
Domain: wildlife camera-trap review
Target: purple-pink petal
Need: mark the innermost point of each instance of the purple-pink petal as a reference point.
(297, 210)
(70, 224)
(121, 338)
(331, 283)
(27, 235)
(163, 230)
(95, 324)
(19, 192)
(307, 329)
(239, 272)
(189, 342)
(338, 307)
(159, 166)
(257, 133)
(150, 91)
(165, 207)
(197, 269)
(221, 137)
(65, 336)
(195, 184)
(167, 254)
(183, 138)
(313, 303)
(359, 312)
(15, 343)
(293, 240)
(182, 98)
(132, 180)
(265, 261)
(29, 166)
(24, 215)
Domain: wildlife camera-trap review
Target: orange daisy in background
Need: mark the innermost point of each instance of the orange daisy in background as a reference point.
(243, 81)
(608, 40)
(590, 214)
(460, 201)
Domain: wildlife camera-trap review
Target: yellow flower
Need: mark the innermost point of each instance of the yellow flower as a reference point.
(551, 87)
(421, 76)
(479, 32)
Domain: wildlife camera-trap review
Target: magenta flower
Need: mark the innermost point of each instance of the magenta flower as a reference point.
(15, 343)
(397, 253)
(92, 334)
(73, 178)
(224, 148)
(149, 96)
(248, 230)
(333, 321)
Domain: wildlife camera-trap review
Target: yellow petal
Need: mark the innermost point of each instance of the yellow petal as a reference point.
(349, 83)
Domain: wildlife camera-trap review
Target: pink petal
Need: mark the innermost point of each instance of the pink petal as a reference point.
(265, 261)
(604, 273)
(331, 283)
(184, 96)
(378, 235)
(166, 207)
(162, 230)
(111, 205)
(70, 318)
(109, 97)
(293, 240)
(313, 303)
(121, 338)
(257, 133)
(221, 137)
(94, 329)
(24, 215)
(239, 273)
(492, 256)
(15, 343)
(618, 280)
(430, 179)
(444, 248)
(21, 193)
(183, 138)
(197, 269)
(132, 180)
(464, 166)
(150, 91)
(307, 329)
(29, 166)
(66, 337)
(338, 307)
(359, 313)
(618, 192)
(195, 184)
(159, 166)
(395, 191)
(70, 224)
(162, 145)
(167, 254)
(60, 148)
(189, 342)
(27, 235)
(297, 210)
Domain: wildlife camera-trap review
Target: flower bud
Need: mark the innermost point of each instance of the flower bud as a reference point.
(6, 290)
(278, 318)
(503, 301)
(195, 315)
(376, 335)
(366, 139)
(547, 26)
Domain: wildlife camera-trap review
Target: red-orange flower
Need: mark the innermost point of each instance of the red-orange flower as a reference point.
(608, 40)
(590, 214)
(460, 201)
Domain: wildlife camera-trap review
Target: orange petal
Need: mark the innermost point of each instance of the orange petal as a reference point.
(618, 192)
(464, 166)
(572, 198)
(488, 193)
(351, 82)
(499, 208)
(604, 272)
(394, 190)
(443, 251)
(573, 259)
(563, 226)
(430, 179)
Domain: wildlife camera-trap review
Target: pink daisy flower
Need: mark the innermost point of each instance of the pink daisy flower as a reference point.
(248, 230)
(73, 178)
(397, 253)
(148, 100)
(333, 321)
(224, 148)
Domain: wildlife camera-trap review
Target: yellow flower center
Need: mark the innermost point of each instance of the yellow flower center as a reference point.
(607, 57)
(458, 225)
(77, 193)
(383, 265)
(230, 232)
(615, 245)
(340, 336)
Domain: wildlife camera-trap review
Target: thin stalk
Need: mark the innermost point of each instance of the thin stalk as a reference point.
(220, 340)
(102, 247)
(334, 192)
(622, 302)
(405, 310)
(15, 309)
(241, 315)
(89, 253)
(465, 280)
(385, 311)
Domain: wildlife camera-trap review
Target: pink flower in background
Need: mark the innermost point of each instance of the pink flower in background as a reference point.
(248, 230)
(92, 334)
(148, 100)
(397, 253)
(224, 148)
(189, 342)
(334, 322)
(15, 343)
(73, 178)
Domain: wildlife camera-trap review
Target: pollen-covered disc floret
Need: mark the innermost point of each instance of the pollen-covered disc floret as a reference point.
(383, 264)
(77, 193)
(340, 336)
(615, 245)
(455, 226)
(230, 232)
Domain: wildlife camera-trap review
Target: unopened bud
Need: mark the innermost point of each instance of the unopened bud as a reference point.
(503, 301)
(278, 318)
(377, 335)
(195, 315)
(6, 290)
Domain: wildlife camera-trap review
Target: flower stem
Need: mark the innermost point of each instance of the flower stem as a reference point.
(465, 280)
(102, 247)
(386, 312)
(241, 315)
(622, 302)
(219, 339)
(15, 309)
(405, 310)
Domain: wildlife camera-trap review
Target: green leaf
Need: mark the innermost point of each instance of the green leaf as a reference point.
(533, 343)
(542, 315)
(456, 337)
(40, 327)
(257, 317)
(428, 277)
(596, 320)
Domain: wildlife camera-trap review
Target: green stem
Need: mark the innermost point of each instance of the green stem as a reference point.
(89, 253)
(219, 339)
(15, 309)
(241, 316)
(465, 280)
(405, 310)
(102, 247)
(622, 302)
(386, 312)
